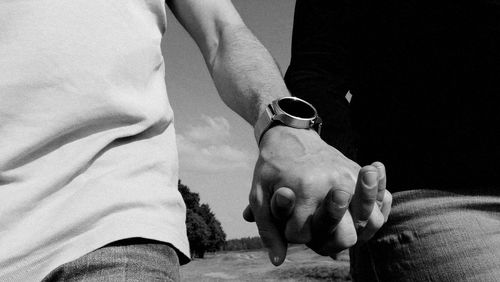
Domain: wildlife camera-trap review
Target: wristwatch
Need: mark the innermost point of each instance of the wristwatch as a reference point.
(288, 111)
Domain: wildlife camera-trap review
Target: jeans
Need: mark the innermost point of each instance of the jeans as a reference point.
(434, 236)
(132, 259)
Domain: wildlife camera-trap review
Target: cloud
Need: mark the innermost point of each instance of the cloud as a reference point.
(205, 148)
(213, 131)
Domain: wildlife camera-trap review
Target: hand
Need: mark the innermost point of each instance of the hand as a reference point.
(333, 227)
(298, 160)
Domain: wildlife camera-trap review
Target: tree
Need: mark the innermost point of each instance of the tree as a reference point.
(191, 199)
(217, 236)
(198, 234)
(243, 244)
(205, 232)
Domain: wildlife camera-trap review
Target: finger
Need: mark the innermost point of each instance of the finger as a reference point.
(365, 196)
(373, 225)
(283, 203)
(382, 182)
(386, 205)
(343, 237)
(330, 212)
(326, 220)
(272, 238)
(298, 227)
(248, 215)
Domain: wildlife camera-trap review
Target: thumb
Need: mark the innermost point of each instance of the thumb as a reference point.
(269, 228)
(272, 238)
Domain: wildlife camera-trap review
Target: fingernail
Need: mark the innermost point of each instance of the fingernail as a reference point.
(276, 260)
(370, 179)
(341, 198)
(282, 201)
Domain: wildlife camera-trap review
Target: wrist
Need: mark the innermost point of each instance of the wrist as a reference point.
(280, 134)
(289, 112)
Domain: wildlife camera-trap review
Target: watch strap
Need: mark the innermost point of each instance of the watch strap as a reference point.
(263, 123)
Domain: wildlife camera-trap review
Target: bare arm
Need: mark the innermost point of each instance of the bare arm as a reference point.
(244, 72)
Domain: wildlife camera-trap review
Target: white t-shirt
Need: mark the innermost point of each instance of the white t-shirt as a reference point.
(87, 142)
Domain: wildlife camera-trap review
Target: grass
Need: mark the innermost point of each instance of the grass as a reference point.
(301, 264)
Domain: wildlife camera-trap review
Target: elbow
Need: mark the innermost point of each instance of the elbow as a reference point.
(222, 42)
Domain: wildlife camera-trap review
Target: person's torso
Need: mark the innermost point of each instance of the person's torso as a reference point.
(86, 128)
(426, 92)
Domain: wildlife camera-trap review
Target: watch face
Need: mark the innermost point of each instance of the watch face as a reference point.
(297, 108)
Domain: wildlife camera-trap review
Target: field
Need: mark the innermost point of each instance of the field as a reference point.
(301, 265)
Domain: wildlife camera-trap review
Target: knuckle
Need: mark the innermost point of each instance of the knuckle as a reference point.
(310, 179)
(367, 196)
(347, 179)
(342, 175)
(343, 181)
(367, 199)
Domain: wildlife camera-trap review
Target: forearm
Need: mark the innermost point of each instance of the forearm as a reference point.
(244, 72)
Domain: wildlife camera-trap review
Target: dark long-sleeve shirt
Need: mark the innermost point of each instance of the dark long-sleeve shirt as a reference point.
(425, 83)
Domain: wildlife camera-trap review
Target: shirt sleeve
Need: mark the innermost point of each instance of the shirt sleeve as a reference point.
(321, 66)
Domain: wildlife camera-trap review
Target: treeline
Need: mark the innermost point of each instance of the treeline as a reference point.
(243, 244)
(204, 231)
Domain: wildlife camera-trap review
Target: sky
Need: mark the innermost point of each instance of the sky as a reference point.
(217, 149)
